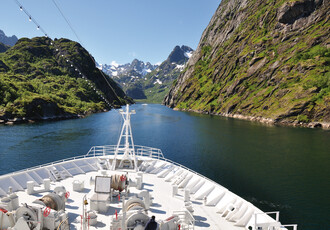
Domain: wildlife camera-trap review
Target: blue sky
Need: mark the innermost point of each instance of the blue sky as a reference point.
(115, 30)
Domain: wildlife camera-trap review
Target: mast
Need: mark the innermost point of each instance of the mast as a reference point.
(127, 148)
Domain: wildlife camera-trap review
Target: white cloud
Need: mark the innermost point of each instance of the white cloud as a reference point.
(114, 63)
(158, 63)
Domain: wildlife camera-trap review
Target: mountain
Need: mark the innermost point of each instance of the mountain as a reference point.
(157, 83)
(42, 78)
(261, 60)
(10, 41)
(144, 81)
(3, 47)
(180, 55)
(137, 66)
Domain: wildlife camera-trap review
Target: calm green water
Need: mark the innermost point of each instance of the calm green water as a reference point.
(275, 168)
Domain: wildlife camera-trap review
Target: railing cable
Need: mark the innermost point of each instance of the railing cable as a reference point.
(71, 64)
(31, 18)
(71, 27)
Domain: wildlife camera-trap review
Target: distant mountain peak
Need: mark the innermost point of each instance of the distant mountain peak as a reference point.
(139, 67)
(180, 55)
(10, 41)
(143, 80)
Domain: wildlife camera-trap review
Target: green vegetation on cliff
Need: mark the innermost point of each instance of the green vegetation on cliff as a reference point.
(261, 58)
(37, 81)
(156, 84)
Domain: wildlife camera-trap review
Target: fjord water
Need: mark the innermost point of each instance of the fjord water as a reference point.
(275, 168)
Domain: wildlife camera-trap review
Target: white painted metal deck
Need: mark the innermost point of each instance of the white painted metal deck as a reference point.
(210, 201)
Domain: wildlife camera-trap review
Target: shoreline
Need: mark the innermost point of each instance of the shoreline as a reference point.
(267, 121)
(263, 120)
(25, 120)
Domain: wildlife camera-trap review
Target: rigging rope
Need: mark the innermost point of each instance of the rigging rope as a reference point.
(67, 21)
(31, 18)
(23, 9)
(71, 27)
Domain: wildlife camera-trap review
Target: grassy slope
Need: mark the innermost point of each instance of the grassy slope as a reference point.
(261, 71)
(33, 71)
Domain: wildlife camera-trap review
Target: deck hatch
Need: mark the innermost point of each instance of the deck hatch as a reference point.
(102, 184)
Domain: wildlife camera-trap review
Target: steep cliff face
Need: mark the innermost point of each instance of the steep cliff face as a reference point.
(267, 59)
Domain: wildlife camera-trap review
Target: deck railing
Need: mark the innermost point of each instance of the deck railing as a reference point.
(107, 150)
(140, 150)
(46, 165)
(96, 151)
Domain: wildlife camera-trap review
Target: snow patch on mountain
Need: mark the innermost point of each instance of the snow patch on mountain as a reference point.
(138, 77)
(180, 67)
(115, 69)
(115, 64)
(158, 82)
(188, 54)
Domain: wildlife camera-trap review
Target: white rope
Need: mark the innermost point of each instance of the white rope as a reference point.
(71, 27)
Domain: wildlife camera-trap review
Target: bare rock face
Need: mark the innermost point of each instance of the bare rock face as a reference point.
(265, 59)
(291, 11)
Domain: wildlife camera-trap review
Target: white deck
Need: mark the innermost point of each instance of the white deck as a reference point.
(163, 204)
(158, 179)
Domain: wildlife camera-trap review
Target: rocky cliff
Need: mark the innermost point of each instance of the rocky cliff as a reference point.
(41, 78)
(266, 60)
(10, 41)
